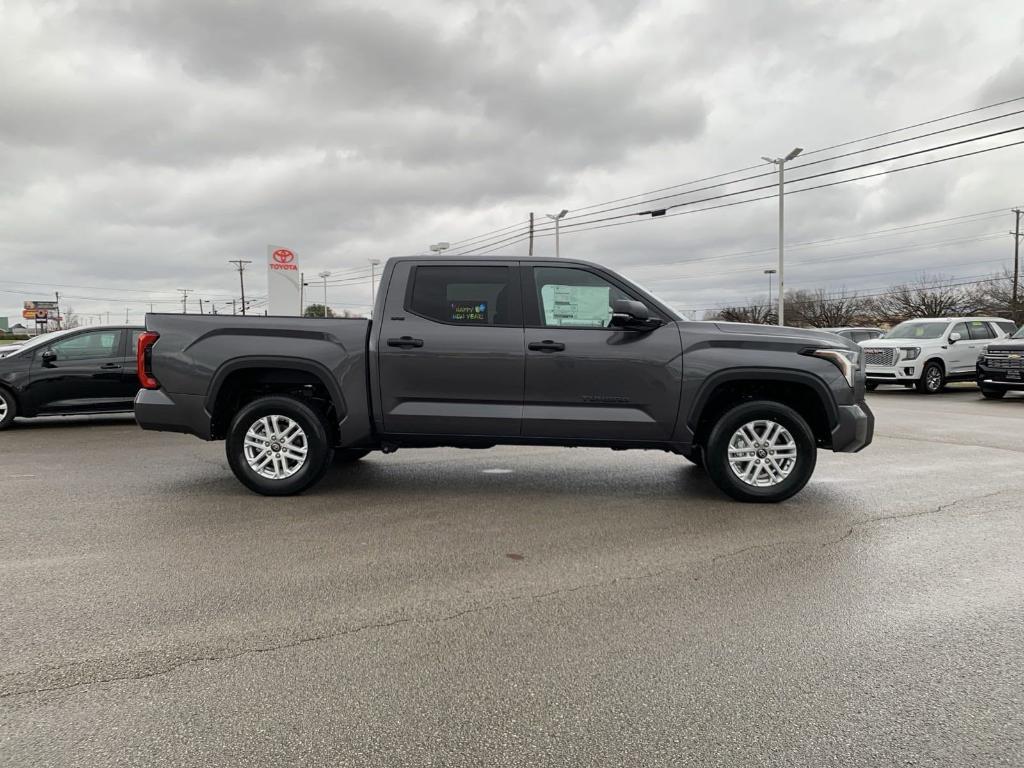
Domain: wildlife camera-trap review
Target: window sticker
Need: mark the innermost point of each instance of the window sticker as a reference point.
(586, 305)
(467, 311)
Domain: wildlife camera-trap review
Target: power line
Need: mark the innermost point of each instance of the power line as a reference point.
(753, 167)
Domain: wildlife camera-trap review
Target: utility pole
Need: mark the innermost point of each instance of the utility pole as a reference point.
(126, 315)
(241, 279)
(1015, 307)
(781, 163)
(233, 311)
(184, 300)
(201, 307)
(302, 294)
(531, 233)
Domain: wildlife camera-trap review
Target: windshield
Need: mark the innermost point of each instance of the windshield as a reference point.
(913, 330)
(36, 341)
(1019, 334)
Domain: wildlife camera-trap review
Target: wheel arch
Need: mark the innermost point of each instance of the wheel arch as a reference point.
(267, 375)
(804, 392)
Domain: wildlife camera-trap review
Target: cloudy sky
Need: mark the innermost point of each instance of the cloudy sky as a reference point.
(144, 144)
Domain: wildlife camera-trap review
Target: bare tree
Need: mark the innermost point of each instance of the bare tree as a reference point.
(759, 313)
(820, 309)
(928, 297)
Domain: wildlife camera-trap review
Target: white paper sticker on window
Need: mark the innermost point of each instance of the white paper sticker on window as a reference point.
(587, 305)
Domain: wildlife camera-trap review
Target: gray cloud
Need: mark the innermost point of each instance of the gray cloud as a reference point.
(145, 143)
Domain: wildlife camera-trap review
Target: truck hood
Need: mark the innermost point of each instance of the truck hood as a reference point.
(1006, 345)
(809, 336)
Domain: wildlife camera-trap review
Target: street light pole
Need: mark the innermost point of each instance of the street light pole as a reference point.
(557, 218)
(439, 247)
(781, 162)
(770, 272)
(373, 277)
(324, 276)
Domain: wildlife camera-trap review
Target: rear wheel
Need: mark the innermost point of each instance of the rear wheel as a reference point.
(277, 446)
(8, 408)
(761, 451)
(932, 381)
(993, 394)
(871, 386)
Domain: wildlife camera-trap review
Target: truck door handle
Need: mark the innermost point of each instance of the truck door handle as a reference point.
(110, 367)
(406, 342)
(546, 346)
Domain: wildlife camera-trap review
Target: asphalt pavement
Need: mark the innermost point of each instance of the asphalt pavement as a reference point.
(517, 606)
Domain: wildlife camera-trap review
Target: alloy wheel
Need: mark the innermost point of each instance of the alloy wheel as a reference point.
(275, 447)
(762, 453)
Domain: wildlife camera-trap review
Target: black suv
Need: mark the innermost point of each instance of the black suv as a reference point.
(83, 370)
(1001, 366)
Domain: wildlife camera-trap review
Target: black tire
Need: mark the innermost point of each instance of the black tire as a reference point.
(349, 455)
(932, 381)
(871, 386)
(716, 452)
(8, 408)
(318, 448)
(993, 394)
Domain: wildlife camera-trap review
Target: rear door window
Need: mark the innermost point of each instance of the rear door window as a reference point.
(979, 329)
(466, 295)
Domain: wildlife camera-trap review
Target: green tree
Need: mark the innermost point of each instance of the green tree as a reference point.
(317, 310)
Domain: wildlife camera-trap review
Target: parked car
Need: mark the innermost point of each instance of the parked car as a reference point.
(479, 352)
(856, 334)
(929, 352)
(1000, 367)
(8, 349)
(83, 370)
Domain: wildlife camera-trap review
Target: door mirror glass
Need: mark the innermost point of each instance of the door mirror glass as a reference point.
(954, 337)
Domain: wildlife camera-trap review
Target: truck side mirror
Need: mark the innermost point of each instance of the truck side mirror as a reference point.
(632, 316)
(954, 337)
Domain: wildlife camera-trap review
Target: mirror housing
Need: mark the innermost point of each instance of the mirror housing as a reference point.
(48, 356)
(632, 316)
(954, 337)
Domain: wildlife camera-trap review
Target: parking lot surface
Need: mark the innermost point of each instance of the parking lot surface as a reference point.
(518, 606)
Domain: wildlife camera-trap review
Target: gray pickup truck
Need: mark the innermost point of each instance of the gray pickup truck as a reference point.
(476, 352)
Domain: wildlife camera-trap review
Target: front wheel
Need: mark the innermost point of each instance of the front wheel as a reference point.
(277, 446)
(932, 380)
(993, 394)
(761, 451)
(8, 409)
(871, 386)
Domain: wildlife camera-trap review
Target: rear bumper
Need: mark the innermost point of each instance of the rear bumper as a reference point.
(163, 412)
(855, 429)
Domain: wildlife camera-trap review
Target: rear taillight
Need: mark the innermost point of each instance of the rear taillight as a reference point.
(144, 360)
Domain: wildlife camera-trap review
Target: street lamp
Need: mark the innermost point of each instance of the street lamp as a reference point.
(770, 272)
(324, 276)
(438, 247)
(781, 162)
(557, 217)
(373, 293)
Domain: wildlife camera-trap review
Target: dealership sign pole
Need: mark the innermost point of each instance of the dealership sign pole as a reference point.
(284, 282)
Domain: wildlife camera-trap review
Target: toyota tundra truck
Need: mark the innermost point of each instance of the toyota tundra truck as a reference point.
(477, 352)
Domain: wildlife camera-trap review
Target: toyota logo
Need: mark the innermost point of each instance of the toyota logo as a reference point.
(283, 256)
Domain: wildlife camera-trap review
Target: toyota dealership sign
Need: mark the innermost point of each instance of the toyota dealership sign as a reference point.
(284, 282)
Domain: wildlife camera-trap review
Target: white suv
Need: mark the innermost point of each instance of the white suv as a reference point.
(928, 352)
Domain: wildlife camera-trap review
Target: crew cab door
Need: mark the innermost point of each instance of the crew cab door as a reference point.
(80, 372)
(586, 379)
(450, 350)
(963, 354)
